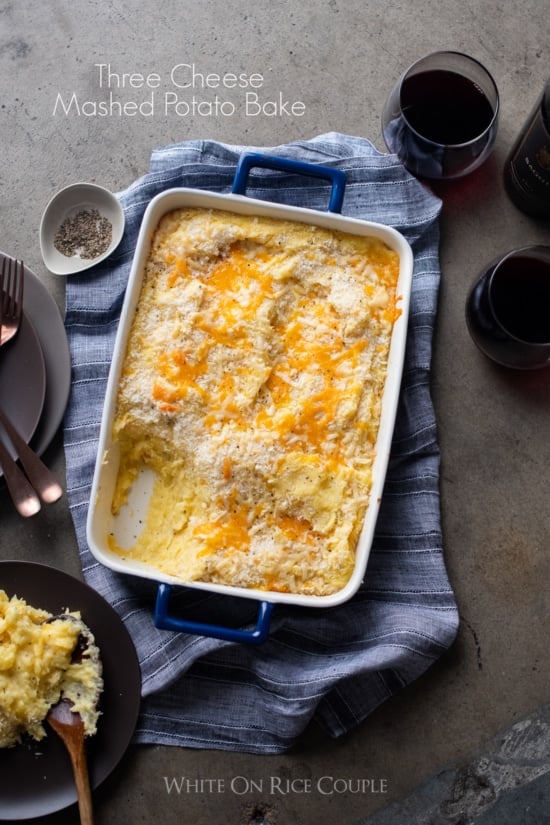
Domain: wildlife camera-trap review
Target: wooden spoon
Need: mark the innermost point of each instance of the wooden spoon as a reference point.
(69, 725)
(70, 728)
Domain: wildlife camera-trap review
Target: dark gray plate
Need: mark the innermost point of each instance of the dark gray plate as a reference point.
(36, 776)
(43, 312)
(22, 381)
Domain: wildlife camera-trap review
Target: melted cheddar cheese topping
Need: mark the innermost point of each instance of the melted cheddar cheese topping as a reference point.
(252, 386)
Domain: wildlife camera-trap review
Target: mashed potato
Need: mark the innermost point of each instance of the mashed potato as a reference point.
(36, 667)
(252, 388)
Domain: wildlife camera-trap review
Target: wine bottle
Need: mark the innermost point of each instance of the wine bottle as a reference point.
(527, 167)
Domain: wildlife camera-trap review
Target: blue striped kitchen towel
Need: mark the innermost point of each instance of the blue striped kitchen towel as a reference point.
(334, 666)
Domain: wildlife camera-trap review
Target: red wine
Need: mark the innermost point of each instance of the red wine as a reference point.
(508, 309)
(520, 297)
(527, 168)
(442, 125)
(445, 107)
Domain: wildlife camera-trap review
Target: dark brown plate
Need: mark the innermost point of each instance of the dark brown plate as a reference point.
(36, 776)
(22, 380)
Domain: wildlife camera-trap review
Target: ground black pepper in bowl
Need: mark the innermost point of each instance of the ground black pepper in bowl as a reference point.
(87, 234)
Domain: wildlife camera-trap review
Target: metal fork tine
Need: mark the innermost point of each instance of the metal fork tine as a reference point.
(11, 287)
(3, 290)
(6, 291)
(19, 273)
(10, 291)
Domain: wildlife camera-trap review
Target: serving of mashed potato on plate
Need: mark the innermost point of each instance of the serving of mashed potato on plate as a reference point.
(38, 665)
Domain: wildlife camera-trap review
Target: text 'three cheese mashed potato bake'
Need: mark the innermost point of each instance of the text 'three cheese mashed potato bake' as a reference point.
(252, 386)
(36, 667)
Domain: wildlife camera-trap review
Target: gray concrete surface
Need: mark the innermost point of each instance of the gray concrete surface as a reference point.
(339, 58)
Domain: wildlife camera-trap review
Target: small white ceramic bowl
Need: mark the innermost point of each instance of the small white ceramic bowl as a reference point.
(66, 204)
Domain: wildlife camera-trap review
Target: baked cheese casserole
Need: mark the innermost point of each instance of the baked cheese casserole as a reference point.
(251, 387)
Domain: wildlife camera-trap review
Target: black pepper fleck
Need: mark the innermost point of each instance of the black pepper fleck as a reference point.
(86, 234)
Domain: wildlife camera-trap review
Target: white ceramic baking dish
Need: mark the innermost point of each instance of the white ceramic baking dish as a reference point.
(101, 522)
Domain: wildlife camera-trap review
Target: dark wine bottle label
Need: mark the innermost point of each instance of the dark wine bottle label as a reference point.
(528, 167)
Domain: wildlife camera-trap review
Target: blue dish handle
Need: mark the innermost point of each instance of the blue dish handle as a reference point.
(249, 160)
(252, 637)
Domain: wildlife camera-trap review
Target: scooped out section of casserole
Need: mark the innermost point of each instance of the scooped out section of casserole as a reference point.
(252, 387)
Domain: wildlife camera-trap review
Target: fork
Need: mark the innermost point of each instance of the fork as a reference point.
(11, 292)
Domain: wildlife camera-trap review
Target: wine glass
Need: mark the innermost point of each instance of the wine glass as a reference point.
(441, 116)
(508, 309)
